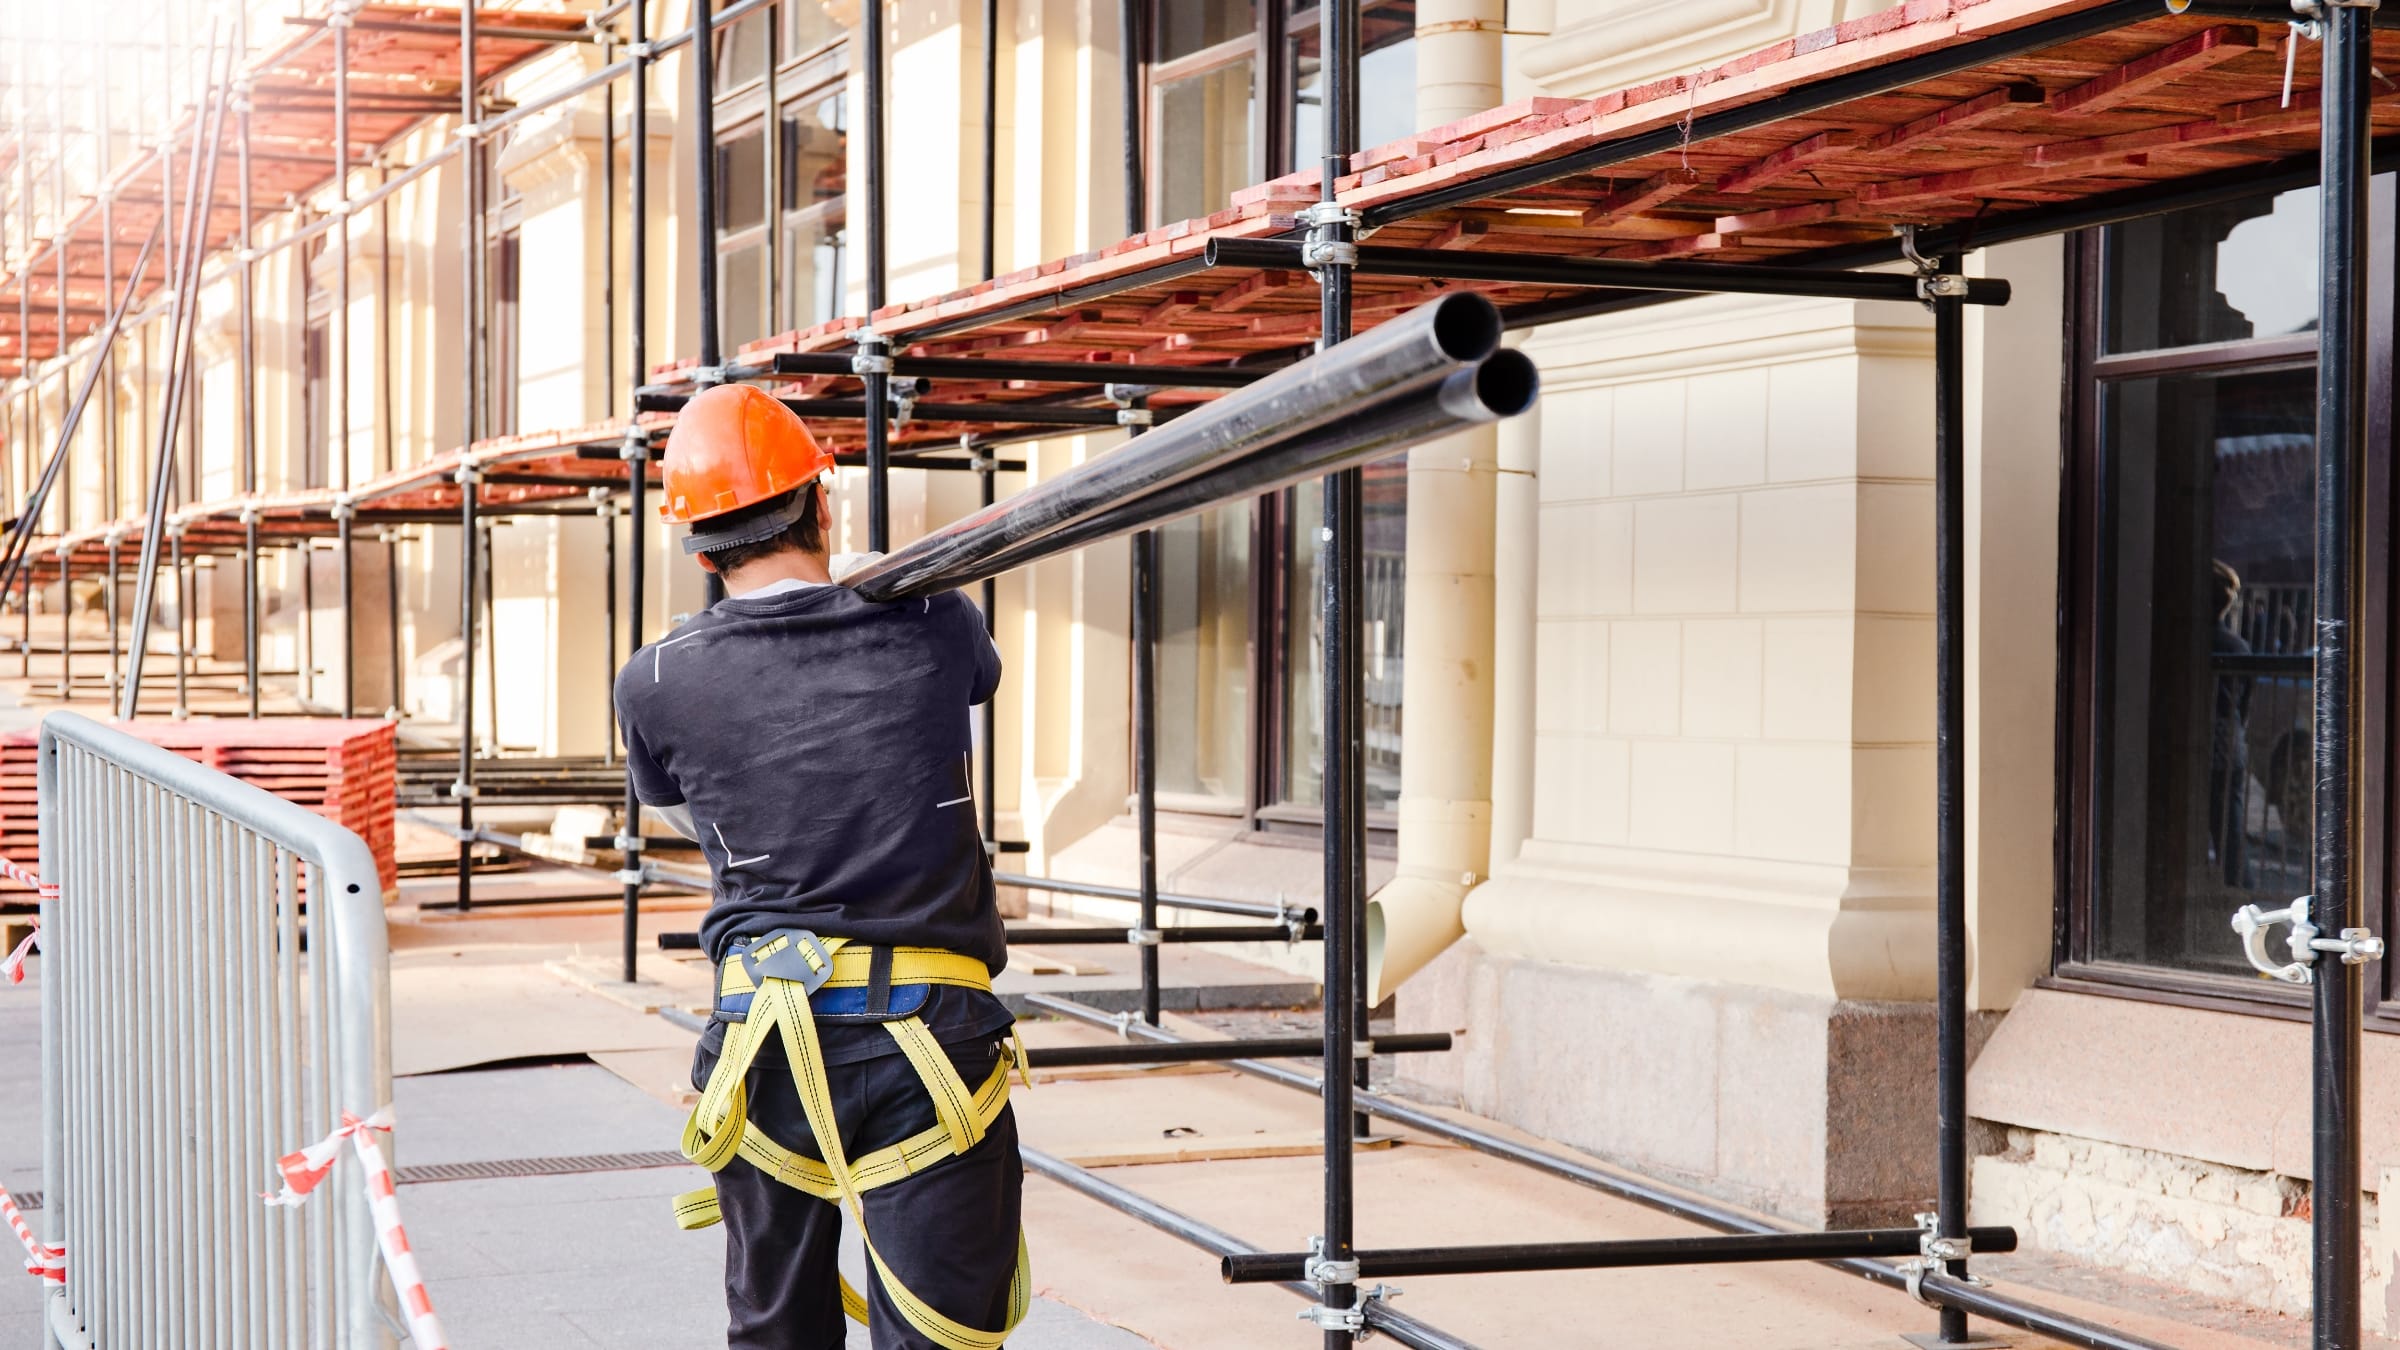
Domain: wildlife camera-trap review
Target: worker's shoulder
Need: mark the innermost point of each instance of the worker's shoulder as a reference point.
(647, 668)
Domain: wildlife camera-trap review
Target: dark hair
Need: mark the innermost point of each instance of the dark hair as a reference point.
(803, 536)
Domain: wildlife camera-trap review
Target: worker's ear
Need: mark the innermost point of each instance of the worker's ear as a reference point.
(707, 563)
(824, 512)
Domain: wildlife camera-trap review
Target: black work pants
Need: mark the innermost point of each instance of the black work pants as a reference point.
(949, 1233)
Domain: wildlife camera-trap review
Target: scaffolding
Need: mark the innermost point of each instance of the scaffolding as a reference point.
(1793, 173)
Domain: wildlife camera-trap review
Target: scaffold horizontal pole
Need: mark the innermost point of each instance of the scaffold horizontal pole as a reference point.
(1200, 1052)
(1516, 1257)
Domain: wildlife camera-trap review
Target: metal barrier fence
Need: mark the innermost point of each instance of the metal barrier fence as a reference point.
(215, 994)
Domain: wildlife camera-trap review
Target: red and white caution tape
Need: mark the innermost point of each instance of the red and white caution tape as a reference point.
(305, 1170)
(22, 875)
(40, 1257)
(13, 965)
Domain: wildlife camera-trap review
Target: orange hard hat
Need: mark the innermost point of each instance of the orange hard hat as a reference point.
(734, 446)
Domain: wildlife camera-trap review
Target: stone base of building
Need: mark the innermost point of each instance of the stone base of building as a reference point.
(1820, 1111)
(2216, 1230)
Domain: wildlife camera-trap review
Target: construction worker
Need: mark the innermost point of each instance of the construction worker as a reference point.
(816, 745)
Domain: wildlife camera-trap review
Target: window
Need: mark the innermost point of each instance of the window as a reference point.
(782, 167)
(2191, 584)
(1235, 97)
(507, 326)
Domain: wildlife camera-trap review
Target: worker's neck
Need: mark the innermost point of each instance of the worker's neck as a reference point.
(789, 565)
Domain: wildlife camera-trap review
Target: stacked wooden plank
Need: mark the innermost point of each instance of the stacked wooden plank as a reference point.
(344, 770)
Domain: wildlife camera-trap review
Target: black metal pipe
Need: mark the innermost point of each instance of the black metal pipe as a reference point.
(338, 443)
(1950, 777)
(608, 252)
(989, 234)
(497, 32)
(1503, 386)
(183, 621)
(1028, 372)
(346, 584)
(1207, 904)
(1815, 97)
(877, 380)
(1262, 1047)
(1217, 1242)
(704, 177)
(115, 598)
(851, 409)
(1978, 1299)
(391, 587)
(1087, 937)
(202, 176)
(471, 298)
(2339, 823)
(1411, 352)
(1534, 269)
(605, 512)
(636, 452)
(1618, 1254)
(1341, 610)
(246, 380)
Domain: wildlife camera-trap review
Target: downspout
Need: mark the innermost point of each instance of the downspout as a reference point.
(1446, 749)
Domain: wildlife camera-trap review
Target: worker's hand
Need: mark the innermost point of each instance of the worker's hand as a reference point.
(843, 564)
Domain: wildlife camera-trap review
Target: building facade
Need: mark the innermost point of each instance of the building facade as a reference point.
(1657, 843)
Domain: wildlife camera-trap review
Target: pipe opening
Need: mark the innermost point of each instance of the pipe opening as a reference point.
(1507, 382)
(1466, 326)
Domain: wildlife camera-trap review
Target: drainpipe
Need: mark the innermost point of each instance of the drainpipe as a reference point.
(1445, 758)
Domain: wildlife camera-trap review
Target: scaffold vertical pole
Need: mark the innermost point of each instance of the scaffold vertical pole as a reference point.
(343, 514)
(1950, 781)
(875, 354)
(987, 465)
(1333, 250)
(246, 374)
(604, 510)
(337, 19)
(608, 265)
(66, 624)
(1145, 555)
(704, 184)
(183, 620)
(636, 450)
(391, 586)
(2339, 823)
(471, 302)
(115, 677)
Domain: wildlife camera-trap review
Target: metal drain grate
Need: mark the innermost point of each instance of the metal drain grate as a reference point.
(540, 1167)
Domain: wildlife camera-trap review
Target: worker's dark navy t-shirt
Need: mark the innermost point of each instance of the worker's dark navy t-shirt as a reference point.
(821, 744)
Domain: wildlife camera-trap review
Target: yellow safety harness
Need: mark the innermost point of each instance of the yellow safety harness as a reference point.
(768, 985)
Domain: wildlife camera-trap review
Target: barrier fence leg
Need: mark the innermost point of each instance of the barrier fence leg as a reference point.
(2342, 276)
(636, 450)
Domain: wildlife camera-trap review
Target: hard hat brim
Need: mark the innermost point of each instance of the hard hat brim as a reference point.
(753, 529)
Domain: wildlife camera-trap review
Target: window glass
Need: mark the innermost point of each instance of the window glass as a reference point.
(1181, 27)
(815, 171)
(806, 27)
(1386, 528)
(742, 179)
(2202, 783)
(1206, 141)
(1387, 82)
(1204, 655)
(741, 295)
(2245, 269)
(741, 50)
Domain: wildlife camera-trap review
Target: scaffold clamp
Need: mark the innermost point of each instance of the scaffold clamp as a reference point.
(2355, 946)
(873, 356)
(1934, 1250)
(1320, 1271)
(630, 876)
(1330, 226)
(706, 376)
(1135, 417)
(635, 448)
(467, 475)
(462, 790)
(345, 507)
(1143, 937)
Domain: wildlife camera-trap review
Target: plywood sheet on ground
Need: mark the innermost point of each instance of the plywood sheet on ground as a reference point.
(454, 1013)
(665, 1074)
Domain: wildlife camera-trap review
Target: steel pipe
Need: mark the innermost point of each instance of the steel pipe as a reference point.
(1534, 269)
(1982, 1300)
(1412, 352)
(1266, 1047)
(1503, 386)
(1208, 904)
(2339, 823)
(1519, 1257)
(1029, 372)
(1216, 1241)
(1085, 937)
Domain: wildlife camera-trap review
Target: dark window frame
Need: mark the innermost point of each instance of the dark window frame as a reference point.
(1272, 48)
(758, 106)
(2086, 604)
